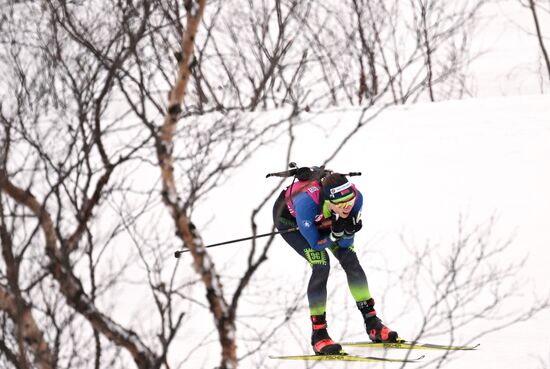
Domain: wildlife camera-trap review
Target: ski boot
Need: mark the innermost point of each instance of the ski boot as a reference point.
(377, 331)
(320, 340)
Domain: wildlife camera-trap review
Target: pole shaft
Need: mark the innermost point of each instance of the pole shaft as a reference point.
(247, 238)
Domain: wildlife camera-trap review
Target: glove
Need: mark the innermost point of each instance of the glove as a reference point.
(337, 227)
(352, 225)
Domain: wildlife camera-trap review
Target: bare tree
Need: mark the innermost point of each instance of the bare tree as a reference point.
(86, 126)
(56, 172)
(534, 6)
(69, 153)
(457, 292)
(390, 50)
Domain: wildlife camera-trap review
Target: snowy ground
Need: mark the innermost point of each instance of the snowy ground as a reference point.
(424, 167)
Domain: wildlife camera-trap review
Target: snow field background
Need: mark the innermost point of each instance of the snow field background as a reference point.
(424, 168)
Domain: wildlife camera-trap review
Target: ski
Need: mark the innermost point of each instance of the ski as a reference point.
(409, 345)
(345, 357)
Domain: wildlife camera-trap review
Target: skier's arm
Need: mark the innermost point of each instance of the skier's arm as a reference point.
(355, 215)
(306, 210)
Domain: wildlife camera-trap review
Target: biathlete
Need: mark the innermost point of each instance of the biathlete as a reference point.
(327, 213)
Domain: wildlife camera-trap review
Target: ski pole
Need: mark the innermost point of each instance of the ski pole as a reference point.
(178, 253)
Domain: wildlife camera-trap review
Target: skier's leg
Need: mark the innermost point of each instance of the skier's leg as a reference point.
(359, 288)
(316, 294)
(317, 287)
(320, 269)
(318, 260)
(357, 280)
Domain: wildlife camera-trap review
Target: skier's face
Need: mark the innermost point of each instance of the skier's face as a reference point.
(343, 209)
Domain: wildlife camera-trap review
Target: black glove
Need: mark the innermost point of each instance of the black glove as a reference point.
(337, 227)
(352, 225)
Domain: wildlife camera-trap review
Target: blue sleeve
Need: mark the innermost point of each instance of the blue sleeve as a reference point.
(306, 211)
(355, 213)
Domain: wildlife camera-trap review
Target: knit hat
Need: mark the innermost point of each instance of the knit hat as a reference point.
(337, 188)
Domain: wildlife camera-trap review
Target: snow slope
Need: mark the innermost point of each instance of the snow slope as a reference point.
(424, 167)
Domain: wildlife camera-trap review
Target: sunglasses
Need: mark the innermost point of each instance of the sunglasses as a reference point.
(344, 204)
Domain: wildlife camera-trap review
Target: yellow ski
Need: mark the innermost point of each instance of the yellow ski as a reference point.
(409, 345)
(345, 357)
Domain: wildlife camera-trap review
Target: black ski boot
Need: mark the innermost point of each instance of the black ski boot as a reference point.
(320, 340)
(377, 331)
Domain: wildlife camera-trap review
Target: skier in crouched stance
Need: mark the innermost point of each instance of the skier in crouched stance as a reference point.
(328, 214)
